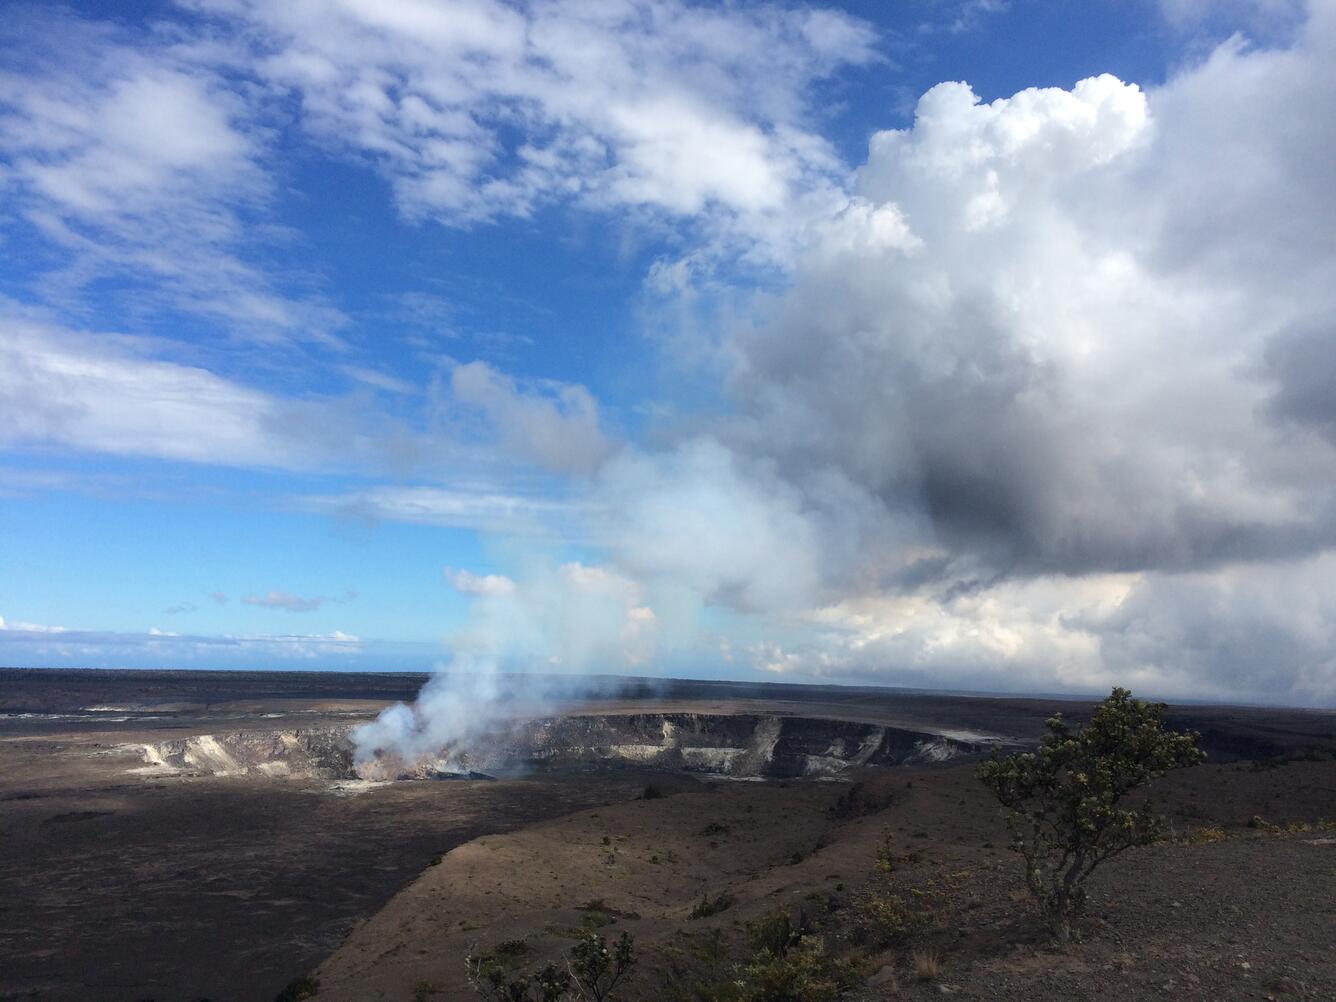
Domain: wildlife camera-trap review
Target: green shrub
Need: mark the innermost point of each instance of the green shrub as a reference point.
(804, 972)
(882, 918)
(1062, 801)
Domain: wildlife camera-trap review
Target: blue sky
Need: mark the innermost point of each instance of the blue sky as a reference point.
(967, 343)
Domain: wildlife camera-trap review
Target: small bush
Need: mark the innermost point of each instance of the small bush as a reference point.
(708, 906)
(716, 828)
(805, 972)
(859, 801)
(927, 964)
(297, 989)
(489, 980)
(886, 858)
(596, 968)
(424, 990)
(511, 950)
(592, 972)
(777, 930)
(652, 792)
(882, 919)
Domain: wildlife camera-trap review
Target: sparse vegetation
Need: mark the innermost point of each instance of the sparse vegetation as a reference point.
(596, 968)
(882, 918)
(927, 964)
(489, 979)
(716, 828)
(858, 801)
(804, 971)
(297, 989)
(1063, 800)
(652, 792)
(708, 906)
(592, 972)
(511, 951)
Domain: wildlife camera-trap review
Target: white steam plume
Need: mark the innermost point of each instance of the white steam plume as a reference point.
(560, 620)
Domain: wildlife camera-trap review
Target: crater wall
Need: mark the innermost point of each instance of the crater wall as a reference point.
(742, 746)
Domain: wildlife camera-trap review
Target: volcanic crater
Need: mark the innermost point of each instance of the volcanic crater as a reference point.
(738, 746)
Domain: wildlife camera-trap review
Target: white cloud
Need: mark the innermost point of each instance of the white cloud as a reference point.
(1059, 415)
(19, 627)
(111, 393)
(286, 601)
(82, 646)
(99, 393)
(139, 162)
(570, 617)
(1255, 16)
(555, 425)
(658, 105)
(1046, 402)
(468, 583)
(466, 505)
(702, 519)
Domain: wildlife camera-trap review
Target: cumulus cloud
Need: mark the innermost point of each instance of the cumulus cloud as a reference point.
(1042, 398)
(1072, 370)
(706, 521)
(1042, 407)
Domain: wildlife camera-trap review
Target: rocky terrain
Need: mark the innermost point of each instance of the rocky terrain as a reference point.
(186, 836)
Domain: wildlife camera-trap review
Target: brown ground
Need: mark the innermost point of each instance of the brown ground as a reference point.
(116, 886)
(1252, 916)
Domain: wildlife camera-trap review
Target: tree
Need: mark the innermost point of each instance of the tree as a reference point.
(1063, 800)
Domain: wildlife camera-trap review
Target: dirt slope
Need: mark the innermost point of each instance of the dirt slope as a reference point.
(1251, 916)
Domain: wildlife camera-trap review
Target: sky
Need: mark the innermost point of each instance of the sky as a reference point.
(962, 344)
